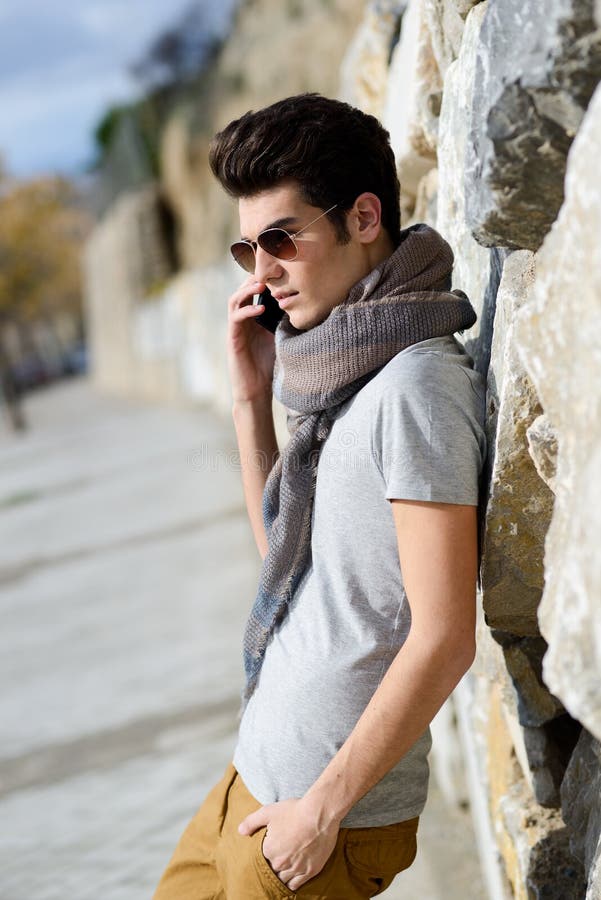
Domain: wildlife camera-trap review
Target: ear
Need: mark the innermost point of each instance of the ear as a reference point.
(366, 216)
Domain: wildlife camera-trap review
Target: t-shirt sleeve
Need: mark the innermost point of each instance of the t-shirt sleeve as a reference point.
(428, 438)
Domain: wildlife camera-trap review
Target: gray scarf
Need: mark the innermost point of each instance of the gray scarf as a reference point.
(404, 300)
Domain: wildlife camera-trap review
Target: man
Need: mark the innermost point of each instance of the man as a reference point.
(366, 521)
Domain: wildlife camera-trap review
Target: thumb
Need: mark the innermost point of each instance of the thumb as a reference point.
(255, 821)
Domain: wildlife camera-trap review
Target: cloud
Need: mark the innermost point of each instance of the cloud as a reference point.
(52, 127)
(62, 65)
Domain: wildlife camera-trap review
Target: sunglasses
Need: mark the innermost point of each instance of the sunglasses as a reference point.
(275, 241)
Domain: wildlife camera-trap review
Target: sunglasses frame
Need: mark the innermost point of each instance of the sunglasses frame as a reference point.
(292, 237)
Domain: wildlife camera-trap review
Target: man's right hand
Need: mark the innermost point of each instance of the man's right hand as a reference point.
(250, 348)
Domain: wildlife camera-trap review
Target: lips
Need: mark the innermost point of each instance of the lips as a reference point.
(282, 299)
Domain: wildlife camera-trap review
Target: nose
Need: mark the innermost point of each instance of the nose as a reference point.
(267, 267)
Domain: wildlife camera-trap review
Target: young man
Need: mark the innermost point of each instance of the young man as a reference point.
(366, 521)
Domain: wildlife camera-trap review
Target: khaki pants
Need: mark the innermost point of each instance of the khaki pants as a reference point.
(213, 862)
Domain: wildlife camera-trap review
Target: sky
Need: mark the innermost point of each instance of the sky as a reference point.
(62, 63)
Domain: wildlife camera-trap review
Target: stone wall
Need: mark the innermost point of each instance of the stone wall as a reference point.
(494, 112)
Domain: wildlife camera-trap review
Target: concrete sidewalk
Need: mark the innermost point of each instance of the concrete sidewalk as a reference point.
(127, 567)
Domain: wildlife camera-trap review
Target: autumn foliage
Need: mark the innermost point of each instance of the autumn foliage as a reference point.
(42, 229)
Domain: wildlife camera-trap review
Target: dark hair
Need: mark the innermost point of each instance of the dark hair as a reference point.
(331, 149)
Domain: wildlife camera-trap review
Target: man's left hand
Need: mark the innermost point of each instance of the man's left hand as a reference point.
(296, 845)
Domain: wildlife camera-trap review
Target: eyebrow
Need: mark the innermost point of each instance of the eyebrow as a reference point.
(278, 223)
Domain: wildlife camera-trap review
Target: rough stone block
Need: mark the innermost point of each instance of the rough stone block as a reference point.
(548, 750)
(364, 70)
(426, 202)
(537, 67)
(410, 115)
(542, 446)
(524, 661)
(464, 6)
(472, 270)
(557, 336)
(593, 891)
(533, 841)
(519, 503)
(581, 804)
(542, 734)
(553, 873)
(545, 774)
(445, 24)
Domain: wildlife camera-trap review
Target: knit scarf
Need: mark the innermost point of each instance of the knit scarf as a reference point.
(404, 300)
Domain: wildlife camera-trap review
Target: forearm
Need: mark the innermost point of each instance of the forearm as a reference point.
(257, 444)
(414, 688)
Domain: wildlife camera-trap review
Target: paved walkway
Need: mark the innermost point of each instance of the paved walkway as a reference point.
(126, 571)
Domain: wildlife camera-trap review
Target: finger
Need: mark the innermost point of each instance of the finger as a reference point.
(296, 881)
(286, 875)
(256, 820)
(245, 293)
(247, 312)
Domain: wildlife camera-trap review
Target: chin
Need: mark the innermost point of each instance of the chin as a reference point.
(296, 320)
(304, 322)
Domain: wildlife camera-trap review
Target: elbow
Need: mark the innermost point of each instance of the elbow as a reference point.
(462, 653)
(454, 660)
(458, 642)
(452, 654)
(467, 655)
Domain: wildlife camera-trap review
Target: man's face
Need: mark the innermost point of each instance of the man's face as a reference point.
(320, 277)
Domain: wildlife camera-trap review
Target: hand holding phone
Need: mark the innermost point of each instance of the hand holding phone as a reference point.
(272, 315)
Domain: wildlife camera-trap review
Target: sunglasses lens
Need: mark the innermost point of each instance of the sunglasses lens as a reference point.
(244, 255)
(278, 243)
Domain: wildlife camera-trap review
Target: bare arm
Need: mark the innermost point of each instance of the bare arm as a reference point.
(438, 555)
(251, 357)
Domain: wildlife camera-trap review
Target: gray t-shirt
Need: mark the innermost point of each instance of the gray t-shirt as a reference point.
(415, 431)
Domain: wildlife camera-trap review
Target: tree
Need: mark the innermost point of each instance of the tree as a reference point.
(41, 232)
(180, 53)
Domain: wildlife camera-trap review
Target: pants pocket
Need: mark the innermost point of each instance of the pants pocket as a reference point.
(374, 856)
(222, 793)
(265, 871)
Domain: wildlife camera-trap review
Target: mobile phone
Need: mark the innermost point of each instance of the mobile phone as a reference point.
(272, 315)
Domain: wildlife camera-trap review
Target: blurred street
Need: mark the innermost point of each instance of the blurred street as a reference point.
(127, 568)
